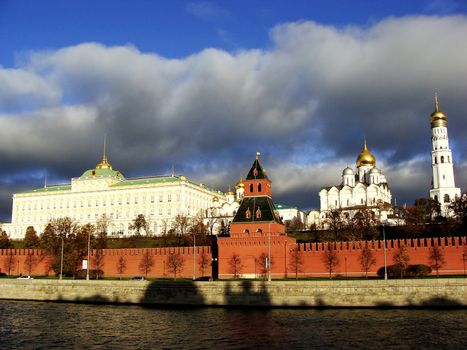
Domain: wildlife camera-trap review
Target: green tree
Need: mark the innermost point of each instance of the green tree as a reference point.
(459, 210)
(31, 239)
(74, 240)
(139, 224)
(4, 240)
(424, 211)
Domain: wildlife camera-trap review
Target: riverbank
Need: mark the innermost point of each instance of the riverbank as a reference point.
(447, 292)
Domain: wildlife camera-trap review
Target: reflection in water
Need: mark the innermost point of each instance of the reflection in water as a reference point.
(61, 325)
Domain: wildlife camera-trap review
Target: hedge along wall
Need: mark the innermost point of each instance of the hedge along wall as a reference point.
(110, 258)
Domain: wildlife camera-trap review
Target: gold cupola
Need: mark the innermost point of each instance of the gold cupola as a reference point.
(104, 164)
(240, 184)
(365, 157)
(437, 118)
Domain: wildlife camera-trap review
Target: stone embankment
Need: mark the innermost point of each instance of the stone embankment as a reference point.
(449, 292)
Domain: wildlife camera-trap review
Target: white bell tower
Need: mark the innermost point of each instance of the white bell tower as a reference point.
(443, 188)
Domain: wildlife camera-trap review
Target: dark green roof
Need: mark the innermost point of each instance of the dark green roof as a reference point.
(147, 180)
(252, 204)
(256, 171)
(103, 172)
(50, 189)
(284, 206)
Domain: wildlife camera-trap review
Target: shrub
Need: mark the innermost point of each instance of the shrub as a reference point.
(81, 274)
(418, 270)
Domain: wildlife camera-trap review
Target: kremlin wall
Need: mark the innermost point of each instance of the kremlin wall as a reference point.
(249, 251)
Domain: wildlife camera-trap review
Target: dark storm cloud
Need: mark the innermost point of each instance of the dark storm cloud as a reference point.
(306, 103)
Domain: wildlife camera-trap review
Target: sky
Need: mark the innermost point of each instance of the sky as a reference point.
(201, 86)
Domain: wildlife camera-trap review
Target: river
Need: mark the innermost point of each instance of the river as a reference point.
(42, 325)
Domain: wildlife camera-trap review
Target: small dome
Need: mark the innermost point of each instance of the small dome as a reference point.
(239, 184)
(348, 171)
(365, 157)
(375, 170)
(215, 199)
(437, 118)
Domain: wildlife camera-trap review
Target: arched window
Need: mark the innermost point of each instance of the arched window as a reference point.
(259, 187)
(446, 198)
(258, 213)
(251, 188)
(449, 159)
(442, 159)
(436, 160)
(246, 231)
(436, 198)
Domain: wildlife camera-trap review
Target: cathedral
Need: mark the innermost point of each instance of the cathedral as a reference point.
(365, 187)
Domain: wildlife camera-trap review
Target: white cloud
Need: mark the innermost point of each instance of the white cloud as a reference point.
(306, 103)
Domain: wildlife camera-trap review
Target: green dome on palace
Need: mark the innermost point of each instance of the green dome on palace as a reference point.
(103, 169)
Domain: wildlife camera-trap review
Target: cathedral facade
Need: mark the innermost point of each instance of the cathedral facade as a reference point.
(365, 187)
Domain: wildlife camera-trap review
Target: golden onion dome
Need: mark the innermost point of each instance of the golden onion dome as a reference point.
(104, 164)
(437, 118)
(239, 184)
(215, 199)
(229, 192)
(365, 157)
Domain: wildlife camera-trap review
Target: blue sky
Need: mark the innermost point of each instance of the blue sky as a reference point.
(203, 85)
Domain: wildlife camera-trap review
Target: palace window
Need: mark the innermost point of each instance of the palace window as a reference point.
(169, 197)
(152, 198)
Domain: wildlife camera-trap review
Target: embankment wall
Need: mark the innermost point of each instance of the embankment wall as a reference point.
(357, 293)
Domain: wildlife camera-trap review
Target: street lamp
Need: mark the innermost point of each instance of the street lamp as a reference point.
(89, 255)
(385, 259)
(194, 256)
(269, 253)
(61, 260)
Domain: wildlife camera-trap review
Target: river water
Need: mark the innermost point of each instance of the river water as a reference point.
(42, 325)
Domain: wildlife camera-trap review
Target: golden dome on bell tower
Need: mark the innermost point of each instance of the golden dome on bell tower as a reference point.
(437, 118)
(365, 157)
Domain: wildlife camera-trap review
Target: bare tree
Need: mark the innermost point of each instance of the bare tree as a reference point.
(121, 265)
(401, 259)
(181, 224)
(235, 264)
(9, 263)
(30, 261)
(436, 258)
(175, 263)
(330, 259)
(296, 261)
(203, 262)
(98, 261)
(367, 259)
(146, 263)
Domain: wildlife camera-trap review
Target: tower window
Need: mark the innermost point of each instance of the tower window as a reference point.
(442, 159)
(446, 198)
(436, 198)
(436, 160)
(258, 213)
(259, 187)
(248, 214)
(449, 159)
(251, 188)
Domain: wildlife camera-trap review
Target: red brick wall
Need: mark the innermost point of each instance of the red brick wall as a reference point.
(249, 249)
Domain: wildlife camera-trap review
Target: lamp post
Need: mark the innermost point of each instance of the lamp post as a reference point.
(89, 255)
(269, 253)
(385, 259)
(61, 260)
(194, 256)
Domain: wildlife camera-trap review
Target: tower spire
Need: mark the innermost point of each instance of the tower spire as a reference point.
(104, 164)
(436, 102)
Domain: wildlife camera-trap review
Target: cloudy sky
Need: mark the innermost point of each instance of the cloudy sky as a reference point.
(204, 85)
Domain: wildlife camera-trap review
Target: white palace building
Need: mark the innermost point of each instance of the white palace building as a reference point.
(103, 191)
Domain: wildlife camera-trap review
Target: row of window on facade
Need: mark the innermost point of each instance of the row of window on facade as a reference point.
(446, 198)
(257, 213)
(35, 205)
